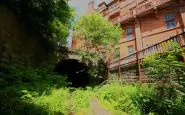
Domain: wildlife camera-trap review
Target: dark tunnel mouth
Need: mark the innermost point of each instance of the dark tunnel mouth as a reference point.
(76, 72)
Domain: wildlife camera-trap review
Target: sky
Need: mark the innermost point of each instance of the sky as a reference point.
(82, 5)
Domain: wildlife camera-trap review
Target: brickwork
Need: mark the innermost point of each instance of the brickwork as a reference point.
(144, 22)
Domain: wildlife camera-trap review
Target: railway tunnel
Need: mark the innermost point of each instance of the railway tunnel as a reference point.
(76, 72)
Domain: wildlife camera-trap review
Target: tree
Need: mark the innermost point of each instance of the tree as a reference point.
(49, 19)
(98, 31)
(99, 36)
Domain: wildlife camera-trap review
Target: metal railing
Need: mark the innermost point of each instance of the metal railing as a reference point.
(127, 16)
(130, 80)
(156, 48)
(115, 20)
(143, 8)
(114, 7)
(160, 2)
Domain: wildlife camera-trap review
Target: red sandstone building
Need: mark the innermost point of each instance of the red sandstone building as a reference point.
(145, 23)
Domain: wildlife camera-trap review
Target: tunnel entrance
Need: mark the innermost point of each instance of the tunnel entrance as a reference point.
(77, 72)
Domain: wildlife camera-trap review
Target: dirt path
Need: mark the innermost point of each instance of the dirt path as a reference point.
(96, 108)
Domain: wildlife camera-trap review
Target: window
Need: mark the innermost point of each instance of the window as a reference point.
(129, 33)
(116, 53)
(170, 20)
(131, 50)
(175, 39)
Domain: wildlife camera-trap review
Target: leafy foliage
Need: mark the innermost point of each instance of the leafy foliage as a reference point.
(118, 98)
(169, 72)
(97, 31)
(19, 85)
(49, 19)
(138, 100)
(168, 67)
(97, 67)
(80, 101)
(97, 34)
(55, 103)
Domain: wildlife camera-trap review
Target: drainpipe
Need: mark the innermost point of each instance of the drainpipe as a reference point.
(138, 62)
(136, 47)
(119, 76)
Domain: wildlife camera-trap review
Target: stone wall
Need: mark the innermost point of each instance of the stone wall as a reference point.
(18, 43)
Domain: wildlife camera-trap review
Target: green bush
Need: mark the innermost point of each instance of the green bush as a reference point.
(144, 99)
(20, 85)
(169, 72)
(39, 91)
(118, 98)
(80, 101)
(140, 99)
(55, 103)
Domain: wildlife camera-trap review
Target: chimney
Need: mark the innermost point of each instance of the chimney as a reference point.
(91, 7)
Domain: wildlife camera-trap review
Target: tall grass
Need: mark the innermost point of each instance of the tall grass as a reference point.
(56, 103)
(80, 101)
(139, 99)
(118, 98)
(41, 92)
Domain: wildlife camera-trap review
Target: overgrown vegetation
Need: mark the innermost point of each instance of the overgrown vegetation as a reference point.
(168, 68)
(40, 91)
(96, 67)
(139, 99)
(97, 32)
(20, 83)
(49, 19)
(98, 36)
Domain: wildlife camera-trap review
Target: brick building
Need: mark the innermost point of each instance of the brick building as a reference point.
(144, 23)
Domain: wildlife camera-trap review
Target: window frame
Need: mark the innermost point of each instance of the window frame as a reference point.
(170, 21)
(117, 53)
(133, 49)
(128, 34)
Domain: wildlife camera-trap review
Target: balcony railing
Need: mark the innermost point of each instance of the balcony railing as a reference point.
(105, 12)
(128, 15)
(115, 20)
(114, 8)
(101, 8)
(143, 8)
(160, 2)
(157, 48)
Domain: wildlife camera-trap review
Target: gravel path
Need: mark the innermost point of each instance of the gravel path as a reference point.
(96, 108)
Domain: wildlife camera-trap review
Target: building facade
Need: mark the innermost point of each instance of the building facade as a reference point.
(144, 24)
